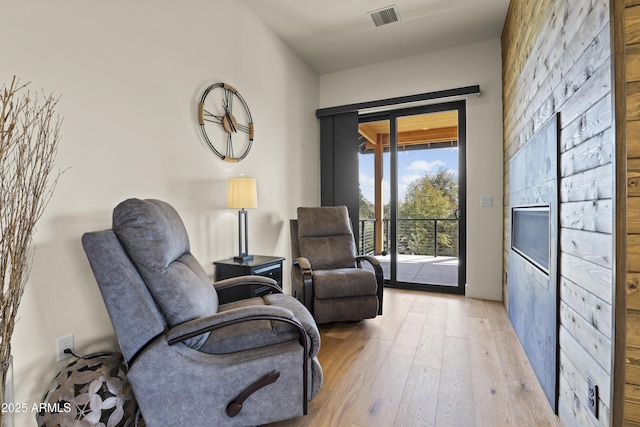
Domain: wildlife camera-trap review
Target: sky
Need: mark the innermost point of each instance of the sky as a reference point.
(412, 165)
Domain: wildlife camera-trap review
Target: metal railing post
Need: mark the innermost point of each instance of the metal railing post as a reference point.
(375, 233)
(435, 237)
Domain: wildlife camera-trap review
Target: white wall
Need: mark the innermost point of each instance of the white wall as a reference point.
(130, 73)
(477, 63)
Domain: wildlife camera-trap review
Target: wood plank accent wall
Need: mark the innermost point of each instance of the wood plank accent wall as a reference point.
(557, 58)
(629, 78)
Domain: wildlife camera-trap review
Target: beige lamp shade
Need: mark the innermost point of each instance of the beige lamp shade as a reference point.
(242, 193)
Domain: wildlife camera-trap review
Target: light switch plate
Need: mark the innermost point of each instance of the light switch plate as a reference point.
(486, 201)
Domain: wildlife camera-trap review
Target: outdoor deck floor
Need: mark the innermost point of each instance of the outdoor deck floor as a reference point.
(425, 269)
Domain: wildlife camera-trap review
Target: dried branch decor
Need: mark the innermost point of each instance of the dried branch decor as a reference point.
(29, 136)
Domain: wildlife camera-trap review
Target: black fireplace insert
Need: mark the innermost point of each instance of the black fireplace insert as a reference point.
(530, 234)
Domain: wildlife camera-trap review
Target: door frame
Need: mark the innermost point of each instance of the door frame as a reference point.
(392, 116)
(331, 137)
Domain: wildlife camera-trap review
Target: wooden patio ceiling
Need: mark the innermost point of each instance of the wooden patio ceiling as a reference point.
(422, 131)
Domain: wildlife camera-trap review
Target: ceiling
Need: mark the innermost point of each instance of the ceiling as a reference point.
(423, 131)
(334, 35)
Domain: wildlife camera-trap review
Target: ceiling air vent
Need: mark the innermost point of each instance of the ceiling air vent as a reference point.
(386, 15)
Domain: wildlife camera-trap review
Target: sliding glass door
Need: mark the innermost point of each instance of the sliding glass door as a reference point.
(411, 177)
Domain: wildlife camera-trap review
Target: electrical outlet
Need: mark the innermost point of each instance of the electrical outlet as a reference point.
(63, 343)
(592, 398)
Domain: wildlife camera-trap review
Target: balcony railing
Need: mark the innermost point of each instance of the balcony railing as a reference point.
(419, 236)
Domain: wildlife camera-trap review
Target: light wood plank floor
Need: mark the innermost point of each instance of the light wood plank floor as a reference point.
(430, 360)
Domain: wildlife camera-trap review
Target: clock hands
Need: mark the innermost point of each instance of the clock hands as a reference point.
(232, 122)
(212, 117)
(228, 120)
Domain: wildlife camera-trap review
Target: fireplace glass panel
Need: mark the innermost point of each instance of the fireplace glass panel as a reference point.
(530, 234)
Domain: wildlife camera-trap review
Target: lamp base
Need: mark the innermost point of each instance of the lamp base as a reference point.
(243, 258)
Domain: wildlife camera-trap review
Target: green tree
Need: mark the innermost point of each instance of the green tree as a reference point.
(435, 195)
(367, 211)
(366, 207)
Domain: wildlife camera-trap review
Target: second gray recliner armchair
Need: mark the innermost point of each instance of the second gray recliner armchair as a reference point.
(327, 274)
(191, 361)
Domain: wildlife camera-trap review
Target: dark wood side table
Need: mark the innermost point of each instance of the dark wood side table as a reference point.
(267, 266)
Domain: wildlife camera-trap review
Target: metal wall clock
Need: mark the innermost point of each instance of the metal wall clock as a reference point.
(225, 122)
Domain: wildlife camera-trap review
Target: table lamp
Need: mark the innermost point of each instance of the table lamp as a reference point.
(242, 194)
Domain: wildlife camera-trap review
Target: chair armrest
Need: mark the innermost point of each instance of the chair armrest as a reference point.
(233, 282)
(303, 264)
(377, 269)
(202, 325)
(307, 296)
(370, 259)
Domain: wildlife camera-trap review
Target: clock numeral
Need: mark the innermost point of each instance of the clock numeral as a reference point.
(201, 113)
(228, 101)
(244, 128)
(229, 147)
(228, 87)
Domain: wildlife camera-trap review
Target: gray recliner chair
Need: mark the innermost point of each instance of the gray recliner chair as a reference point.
(327, 274)
(191, 361)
